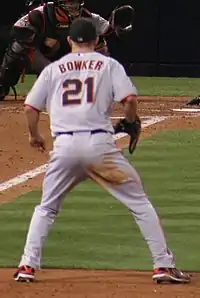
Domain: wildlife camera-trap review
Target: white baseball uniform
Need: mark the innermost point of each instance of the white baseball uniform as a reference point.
(78, 92)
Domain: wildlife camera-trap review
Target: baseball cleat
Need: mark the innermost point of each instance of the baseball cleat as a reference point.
(195, 101)
(170, 275)
(25, 274)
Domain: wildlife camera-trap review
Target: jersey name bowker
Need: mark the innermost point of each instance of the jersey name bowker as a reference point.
(81, 65)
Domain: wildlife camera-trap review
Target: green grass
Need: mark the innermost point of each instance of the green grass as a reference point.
(23, 88)
(95, 231)
(159, 86)
(146, 86)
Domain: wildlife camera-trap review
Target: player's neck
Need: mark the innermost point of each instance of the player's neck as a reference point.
(76, 49)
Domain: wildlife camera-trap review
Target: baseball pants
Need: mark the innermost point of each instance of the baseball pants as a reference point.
(76, 158)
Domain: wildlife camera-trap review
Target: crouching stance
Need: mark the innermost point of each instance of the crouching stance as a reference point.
(78, 91)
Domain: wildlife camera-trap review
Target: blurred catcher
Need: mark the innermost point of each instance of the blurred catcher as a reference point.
(40, 36)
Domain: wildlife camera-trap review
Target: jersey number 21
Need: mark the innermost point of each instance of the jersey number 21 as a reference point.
(73, 90)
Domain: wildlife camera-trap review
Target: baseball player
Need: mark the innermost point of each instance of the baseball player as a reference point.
(40, 37)
(78, 91)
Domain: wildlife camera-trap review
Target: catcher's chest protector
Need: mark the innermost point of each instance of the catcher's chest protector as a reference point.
(49, 19)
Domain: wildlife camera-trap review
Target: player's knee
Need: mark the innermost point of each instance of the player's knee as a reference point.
(46, 210)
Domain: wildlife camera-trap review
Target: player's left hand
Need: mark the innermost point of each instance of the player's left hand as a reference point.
(37, 142)
(132, 129)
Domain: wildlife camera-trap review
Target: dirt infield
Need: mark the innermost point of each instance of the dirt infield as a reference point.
(94, 284)
(16, 157)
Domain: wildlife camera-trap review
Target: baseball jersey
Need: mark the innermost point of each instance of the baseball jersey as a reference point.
(101, 24)
(78, 92)
(24, 22)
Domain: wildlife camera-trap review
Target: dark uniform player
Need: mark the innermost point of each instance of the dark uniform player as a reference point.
(40, 37)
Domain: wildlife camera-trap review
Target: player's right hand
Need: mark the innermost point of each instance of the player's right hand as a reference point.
(37, 142)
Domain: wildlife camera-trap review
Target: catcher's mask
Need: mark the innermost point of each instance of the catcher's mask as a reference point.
(72, 7)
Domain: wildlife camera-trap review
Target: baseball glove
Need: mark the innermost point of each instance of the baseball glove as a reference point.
(121, 18)
(132, 129)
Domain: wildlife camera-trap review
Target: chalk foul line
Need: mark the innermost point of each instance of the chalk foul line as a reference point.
(40, 170)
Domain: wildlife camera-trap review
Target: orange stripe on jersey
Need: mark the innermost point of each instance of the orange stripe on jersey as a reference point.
(124, 99)
(61, 15)
(33, 108)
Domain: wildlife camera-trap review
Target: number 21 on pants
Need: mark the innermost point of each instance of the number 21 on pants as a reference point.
(74, 88)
